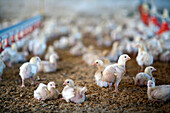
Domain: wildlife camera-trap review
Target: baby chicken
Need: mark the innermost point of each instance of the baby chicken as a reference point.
(158, 93)
(39, 48)
(90, 56)
(107, 62)
(115, 72)
(48, 66)
(38, 45)
(143, 77)
(143, 57)
(115, 53)
(44, 92)
(63, 43)
(11, 55)
(29, 69)
(78, 49)
(73, 93)
(2, 66)
(99, 74)
(165, 56)
(49, 52)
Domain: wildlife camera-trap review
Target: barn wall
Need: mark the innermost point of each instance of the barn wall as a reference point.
(27, 8)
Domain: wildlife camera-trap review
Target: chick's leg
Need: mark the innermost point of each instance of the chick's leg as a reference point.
(9, 64)
(32, 81)
(116, 88)
(156, 100)
(38, 77)
(141, 68)
(116, 85)
(23, 85)
(110, 86)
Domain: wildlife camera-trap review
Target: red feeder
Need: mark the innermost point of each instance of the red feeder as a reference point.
(37, 24)
(145, 18)
(1, 48)
(140, 9)
(7, 42)
(155, 21)
(13, 38)
(32, 28)
(20, 35)
(25, 33)
(164, 27)
(29, 30)
(41, 25)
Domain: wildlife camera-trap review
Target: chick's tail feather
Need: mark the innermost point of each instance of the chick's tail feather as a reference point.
(83, 90)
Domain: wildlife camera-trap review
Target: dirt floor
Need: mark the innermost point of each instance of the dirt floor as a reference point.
(130, 98)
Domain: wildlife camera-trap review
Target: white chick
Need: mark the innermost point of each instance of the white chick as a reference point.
(78, 49)
(20, 55)
(90, 56)
(107, 62)
(165, 56)
(48, 66)
(44, 92)
(130, 46)
(143, 57)
(10, 55)
(107, 41)
(116, 33)
(115, 72)
(158, 93)
(2, 66)
(99, 74)
(143, 77)
(31, 44)
(39, 47)
(29, 69)
(155, 47)
(73, 93)
(115, 53)
(63, 43)
(21, 43)
(49, 52)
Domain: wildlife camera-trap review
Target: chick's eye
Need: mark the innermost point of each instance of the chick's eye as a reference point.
(125, 56)
(151, 68)
(96, 62)
(50, 84)
(67, 81)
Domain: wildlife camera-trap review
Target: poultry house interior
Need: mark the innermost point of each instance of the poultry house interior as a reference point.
(84, 56)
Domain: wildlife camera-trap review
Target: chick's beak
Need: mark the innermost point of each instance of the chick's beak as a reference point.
(154, 69)
(94, 64)
(53, 86)
(64, 83)
(128, 58)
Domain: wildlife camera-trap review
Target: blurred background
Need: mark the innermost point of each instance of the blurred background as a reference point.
(10, 9)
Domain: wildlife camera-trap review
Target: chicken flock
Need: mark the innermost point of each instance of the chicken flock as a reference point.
(129, 36)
